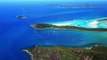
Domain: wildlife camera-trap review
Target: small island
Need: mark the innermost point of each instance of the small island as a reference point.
(95, 52)
(42, 26)
(21, 17)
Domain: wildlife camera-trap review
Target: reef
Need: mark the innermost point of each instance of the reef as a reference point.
(42, 26)
(96, 52)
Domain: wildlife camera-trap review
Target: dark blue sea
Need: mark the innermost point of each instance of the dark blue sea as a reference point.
(17, 34)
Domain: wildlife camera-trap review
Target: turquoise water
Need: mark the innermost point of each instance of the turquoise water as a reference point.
(17, 34)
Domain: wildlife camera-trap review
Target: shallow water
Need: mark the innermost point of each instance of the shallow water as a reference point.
(17, 34)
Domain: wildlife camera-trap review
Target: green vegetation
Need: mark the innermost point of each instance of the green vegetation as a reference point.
(68, 53)
(42, 26)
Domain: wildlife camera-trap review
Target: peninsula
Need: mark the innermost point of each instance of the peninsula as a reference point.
(42, 26)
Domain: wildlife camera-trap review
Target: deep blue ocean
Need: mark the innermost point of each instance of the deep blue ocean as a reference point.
(17, 34)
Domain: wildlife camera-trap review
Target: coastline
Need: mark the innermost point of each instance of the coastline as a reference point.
(42, 26)
(48, 53)
(29, 53)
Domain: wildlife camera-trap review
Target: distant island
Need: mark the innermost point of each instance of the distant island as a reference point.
(79, 6)
(96, 52)
(42, 26)
(20, 17)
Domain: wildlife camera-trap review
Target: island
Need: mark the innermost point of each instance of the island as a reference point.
(80, 6)
(102, 19)
(95, 52)
(21, 17)
(42, 26)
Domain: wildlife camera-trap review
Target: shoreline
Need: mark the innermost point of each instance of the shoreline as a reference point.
(42, 26)
(43, 52)
(30, 54)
